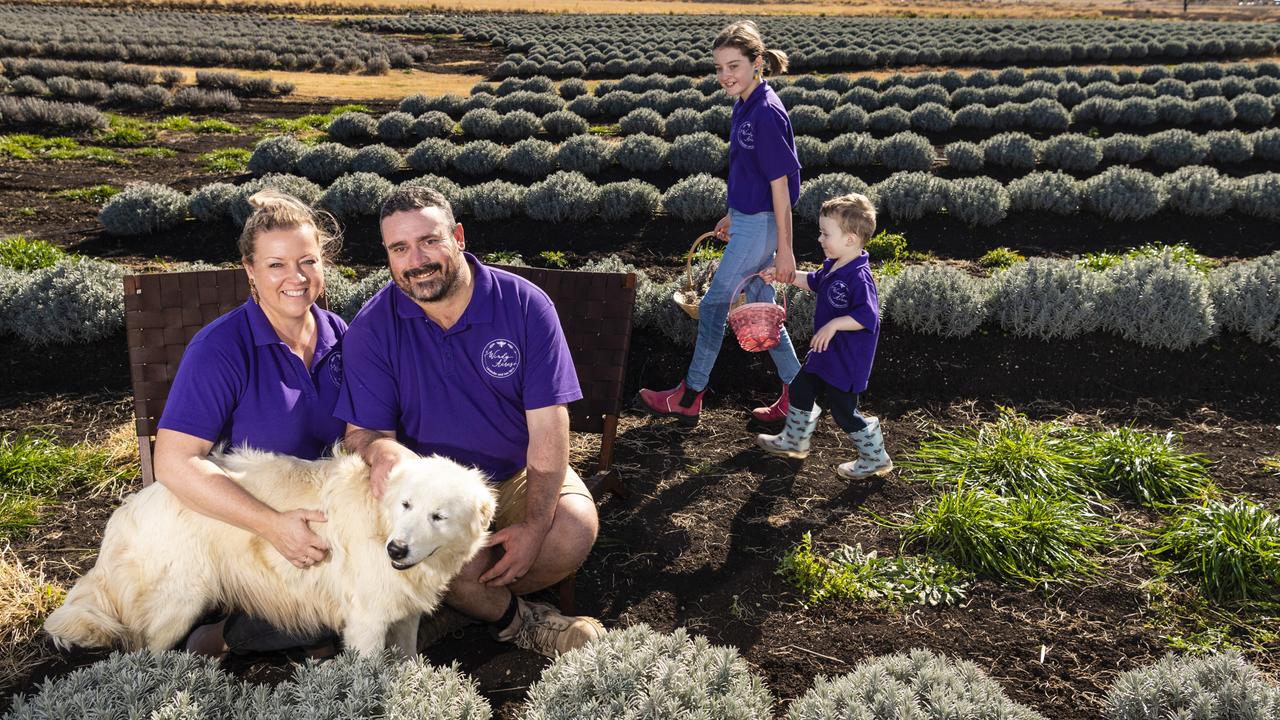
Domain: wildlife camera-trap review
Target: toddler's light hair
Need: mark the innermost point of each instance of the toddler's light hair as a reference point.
(745, 36)
(275, 210)
(854, 213)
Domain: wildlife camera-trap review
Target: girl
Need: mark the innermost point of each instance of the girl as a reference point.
(764, 184)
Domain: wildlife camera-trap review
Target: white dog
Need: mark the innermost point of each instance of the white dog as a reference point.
(162, 565)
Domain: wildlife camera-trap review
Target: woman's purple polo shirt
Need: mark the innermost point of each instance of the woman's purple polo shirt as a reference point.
(846, 363)
(239, 383)
(761, 149)
(462, 392)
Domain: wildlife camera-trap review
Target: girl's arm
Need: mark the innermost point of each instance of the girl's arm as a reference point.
(770, 274)
(785, 263)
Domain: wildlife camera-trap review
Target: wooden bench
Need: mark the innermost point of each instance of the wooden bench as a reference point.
(163, 311)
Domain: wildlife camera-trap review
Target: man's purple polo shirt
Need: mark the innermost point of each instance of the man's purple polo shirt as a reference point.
(462, 392)
(846, 363)
(761, 149)
(239, 383)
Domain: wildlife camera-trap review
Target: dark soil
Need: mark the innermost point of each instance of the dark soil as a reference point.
(697, 540)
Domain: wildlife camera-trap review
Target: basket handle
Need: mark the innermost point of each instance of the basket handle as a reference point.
(688, 262)
(743, 284)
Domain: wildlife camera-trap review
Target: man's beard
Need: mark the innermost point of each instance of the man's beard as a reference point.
(438, 288)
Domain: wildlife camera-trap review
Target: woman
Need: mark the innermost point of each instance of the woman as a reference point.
(265, 375)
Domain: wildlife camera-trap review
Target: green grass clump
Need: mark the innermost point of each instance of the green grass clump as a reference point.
(852, 575)
(1011, 455)
(155, 152)
(35, 470)
(502, 257)
(305, 124)
(1001, 258)
(226, 160)
(183, 123)
(605, 130)
(97, 194)
(23, 253)
(1148, 468)
(554, 259)
(707, 251)
(1271, 464)
(123, 130)
(1233, 548)
(887, 247)
(1027, 538)
(23, 146)
(1181, 252)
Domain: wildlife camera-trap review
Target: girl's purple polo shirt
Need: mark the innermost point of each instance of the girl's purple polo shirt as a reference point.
(462, 392)
(761, 149)
(846, 363)
(239, 383)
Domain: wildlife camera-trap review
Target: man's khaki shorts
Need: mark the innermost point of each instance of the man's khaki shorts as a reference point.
(511, 496)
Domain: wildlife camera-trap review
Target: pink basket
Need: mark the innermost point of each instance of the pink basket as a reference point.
(758, 325)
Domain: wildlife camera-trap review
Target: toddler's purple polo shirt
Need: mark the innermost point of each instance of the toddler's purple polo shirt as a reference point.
(239, 383)
(462, 392)
(761, 149)
(846, 363)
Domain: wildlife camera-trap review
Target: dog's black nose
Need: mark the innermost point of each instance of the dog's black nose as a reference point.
(397, 550)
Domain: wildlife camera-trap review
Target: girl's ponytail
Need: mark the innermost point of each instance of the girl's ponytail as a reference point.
(775, 62)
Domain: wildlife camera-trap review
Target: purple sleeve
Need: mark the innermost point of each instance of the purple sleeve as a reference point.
(550, 378)
(815, 279)
(864, 304)
(209, 384)
(775, 147)
(368, 398)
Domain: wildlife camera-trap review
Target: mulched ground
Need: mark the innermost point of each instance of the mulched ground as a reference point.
(697, 541)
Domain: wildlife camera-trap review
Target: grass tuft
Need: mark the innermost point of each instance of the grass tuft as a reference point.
(22, 253)
(887, 247)
(1028, 538)
(226, 160)
(1232, 548)
(22, 146)
(1148, 468)
(97, 194)
(1001, 258)
(34, 470)
(1011, 455)
(26, 599)
(1181, 252)
(851, 575)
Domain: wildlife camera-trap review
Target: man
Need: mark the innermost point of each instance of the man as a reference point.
(469, 362)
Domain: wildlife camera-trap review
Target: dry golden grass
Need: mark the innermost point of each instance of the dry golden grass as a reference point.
(1219, 9)
(26, 599)
(327, 86)
(121, 449)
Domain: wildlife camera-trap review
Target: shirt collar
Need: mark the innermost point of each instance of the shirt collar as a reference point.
(264, 333)
(479, 310)
(755, 98)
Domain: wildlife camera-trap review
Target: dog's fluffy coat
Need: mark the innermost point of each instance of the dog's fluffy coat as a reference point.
(162, 565)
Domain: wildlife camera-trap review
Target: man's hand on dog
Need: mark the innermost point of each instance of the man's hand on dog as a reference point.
(521, 544)
(388, 453)
(294, 539)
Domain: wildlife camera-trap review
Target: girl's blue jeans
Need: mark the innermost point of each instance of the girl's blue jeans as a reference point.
(753, 241)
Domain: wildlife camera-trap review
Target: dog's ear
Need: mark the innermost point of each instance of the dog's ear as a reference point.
(486, 508)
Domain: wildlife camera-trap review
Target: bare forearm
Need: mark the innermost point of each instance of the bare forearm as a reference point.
(548, 461)
(206, 489)
(845, 323)
(368, 444)
(781, 194)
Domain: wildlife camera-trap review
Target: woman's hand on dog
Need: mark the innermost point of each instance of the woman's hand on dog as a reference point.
(521, 544)
(294, 539)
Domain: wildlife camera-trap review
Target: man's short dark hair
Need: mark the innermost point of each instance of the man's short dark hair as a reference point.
(416, 197)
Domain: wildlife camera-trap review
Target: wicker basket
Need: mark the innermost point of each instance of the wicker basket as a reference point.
(758, 325)
(687, 296)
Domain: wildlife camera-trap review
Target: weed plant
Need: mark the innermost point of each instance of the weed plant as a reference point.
(1011, 455)
(886, 246)
(1181, 252)
(1024, 537)
(20, 146)
(851, 575)
(97, 194)
(1148, 468)
(1001, 258)
(306, 124)
(154, 152)
(226, 160)
(1233, 549)
(27, 254)
(554, 259)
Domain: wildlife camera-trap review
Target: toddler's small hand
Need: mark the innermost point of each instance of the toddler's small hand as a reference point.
(768, 274)
(822, 338)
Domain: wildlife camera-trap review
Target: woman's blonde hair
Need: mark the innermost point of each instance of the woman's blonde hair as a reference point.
(275, 210)
(745, 36)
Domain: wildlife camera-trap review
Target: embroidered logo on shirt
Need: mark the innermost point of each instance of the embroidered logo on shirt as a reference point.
(747, 135)
(335, 368)
(500, 358)
(838, 294)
